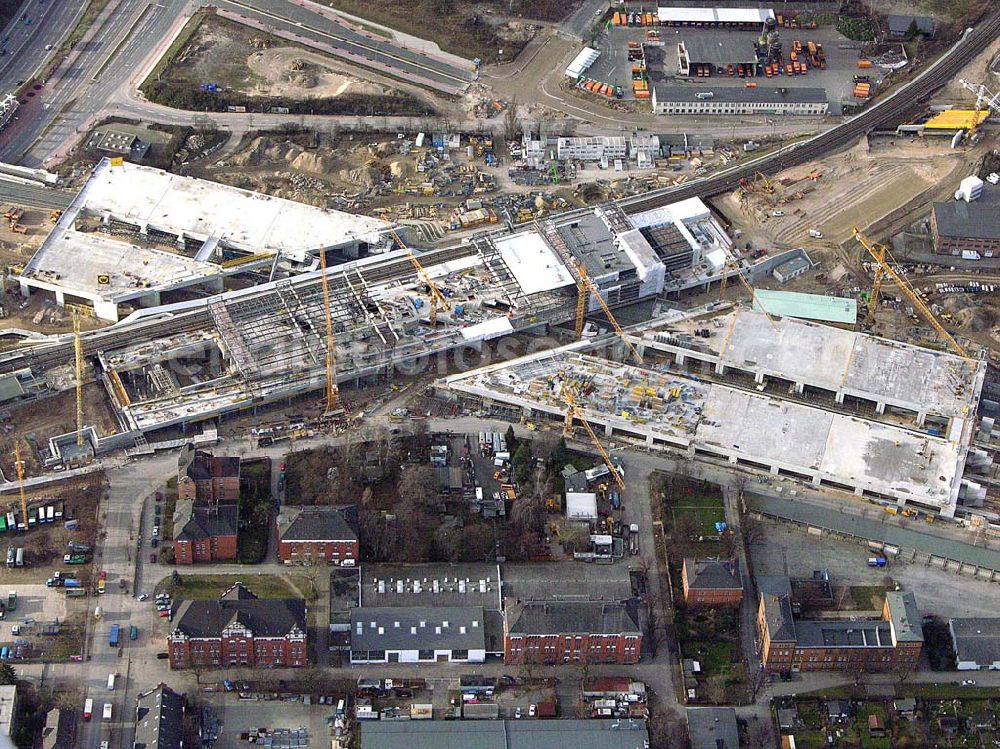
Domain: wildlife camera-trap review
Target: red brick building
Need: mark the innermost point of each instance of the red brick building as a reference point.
(206, 478)
(207, 534)
(239, 630)
(712, 582)
(310, 535)
(572, 632)
(788, 644)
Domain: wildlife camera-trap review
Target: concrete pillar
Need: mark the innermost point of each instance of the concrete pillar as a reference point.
(839, 397)
(800, 388)
(859, 491)
(816, 481)
(733, 459)
(152, 299)
(759, 378)
(609, 430)
(773, 470)
(25, 289)
(60, 298)
(921, 418)
(106, 311)
(641, 348)
(879, 407)
(720, 368)
(680, 359)
(216, 283)
(649, 440)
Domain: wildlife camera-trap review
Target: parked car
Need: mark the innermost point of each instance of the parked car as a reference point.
(517, 713)
(969, 683)
(155, 543)
(162, 656)
(144, 597)
(532, 709)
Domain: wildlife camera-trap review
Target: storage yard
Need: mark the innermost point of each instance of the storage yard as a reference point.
(720, 49)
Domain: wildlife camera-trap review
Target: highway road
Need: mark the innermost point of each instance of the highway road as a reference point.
(25, 44)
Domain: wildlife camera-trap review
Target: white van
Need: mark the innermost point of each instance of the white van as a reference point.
(111, 682)
(815, 234)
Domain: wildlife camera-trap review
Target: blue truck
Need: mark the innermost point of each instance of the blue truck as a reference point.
(115, 635)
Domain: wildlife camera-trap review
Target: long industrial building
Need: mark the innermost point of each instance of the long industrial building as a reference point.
(878, 418)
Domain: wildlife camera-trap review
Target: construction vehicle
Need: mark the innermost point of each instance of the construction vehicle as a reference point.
(573, 412)
(584, 286)
(904, 286)
(437, 298)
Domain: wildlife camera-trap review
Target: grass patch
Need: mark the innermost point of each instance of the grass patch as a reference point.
(210, 587)
(867, 596)
(167, 59)
(90, 14)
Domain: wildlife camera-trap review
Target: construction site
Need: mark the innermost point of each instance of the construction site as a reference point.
(836, 408)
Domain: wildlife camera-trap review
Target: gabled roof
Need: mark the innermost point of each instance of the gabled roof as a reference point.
(713, 574)
(159, 719)
(317, 524)
(900, 24)
(264, 618)
(976, 639)
(202, 466)
(571, 617)
(776, 597)
(209, 522)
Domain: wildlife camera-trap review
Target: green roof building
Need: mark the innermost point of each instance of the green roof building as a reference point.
(819, 307)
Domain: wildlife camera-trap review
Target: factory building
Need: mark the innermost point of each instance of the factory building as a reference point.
(968, 226)
(716, 50)
(730, 100)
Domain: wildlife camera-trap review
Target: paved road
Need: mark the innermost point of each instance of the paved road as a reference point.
(25, 44)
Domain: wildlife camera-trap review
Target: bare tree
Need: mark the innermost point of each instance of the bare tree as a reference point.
(753, 530)
(760, 734)
(416, 485)
(511, 128)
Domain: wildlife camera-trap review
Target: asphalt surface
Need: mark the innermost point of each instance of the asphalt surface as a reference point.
(366, 50)
(25, 44)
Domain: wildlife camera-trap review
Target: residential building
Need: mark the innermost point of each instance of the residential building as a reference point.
(207, 532)
(159, 719)
(239, 629)
(418, 634)
(958, 226)
(504, 734)
(311, 535)
(892, 642)
(713, 728)
(9, 700)
(591, 148)
(729, 100)
(572, 632)
(712, 582)
(203, 477)
(976, 641)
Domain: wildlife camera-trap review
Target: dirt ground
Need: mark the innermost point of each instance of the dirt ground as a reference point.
(855, 188)
(285, 71)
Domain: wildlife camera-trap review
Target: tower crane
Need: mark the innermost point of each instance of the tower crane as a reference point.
(881, 251)
(437, 298)
(731, 263)
(19, 466)
(332, 391)
(573, 412)
(583, 288)
(78, 361)
(984, 99)
(879, 255)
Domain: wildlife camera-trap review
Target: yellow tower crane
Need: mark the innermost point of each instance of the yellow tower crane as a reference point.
(332, 391)
(730, 263)
(879, 255)
(437, 298)
(583, 288)
(573, 412)
(19, 466)
(78, 360)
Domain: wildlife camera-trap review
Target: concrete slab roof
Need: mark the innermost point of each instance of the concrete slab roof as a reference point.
(77, 263)
(923, 379)
(201, 209)
(876, 456)
(535, 266)
(470, 584)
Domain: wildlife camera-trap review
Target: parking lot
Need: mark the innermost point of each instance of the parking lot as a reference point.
(788, 550)
(842, 54)
(239, 716)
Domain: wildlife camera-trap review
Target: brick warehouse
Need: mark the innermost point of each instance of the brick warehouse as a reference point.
(203, 477)
(572, 632)
(239, 629)
(317, 534)
(207, 533)
(711, 582)
(788, 644)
